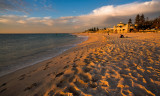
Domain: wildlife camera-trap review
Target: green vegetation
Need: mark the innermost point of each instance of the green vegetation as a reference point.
(143, 23)
(130, 21)
(94, 29)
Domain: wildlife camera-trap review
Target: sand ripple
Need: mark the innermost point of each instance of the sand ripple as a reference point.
(128, 66)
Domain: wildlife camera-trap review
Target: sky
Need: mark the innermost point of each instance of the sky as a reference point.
(69, 16)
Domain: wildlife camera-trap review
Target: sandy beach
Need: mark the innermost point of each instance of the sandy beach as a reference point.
(104, 65)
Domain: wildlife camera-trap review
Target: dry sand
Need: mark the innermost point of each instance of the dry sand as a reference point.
(101, 66)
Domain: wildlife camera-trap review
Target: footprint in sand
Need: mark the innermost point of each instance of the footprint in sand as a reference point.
(3, 84)
(86, 69)
(66, 66)
(47, 65)
(51, 93)
(59, 74)
(65, 80)
(85, 77)
(71, 89)
(32, 86)
(62, 83)
(22, 77)
(3, 90)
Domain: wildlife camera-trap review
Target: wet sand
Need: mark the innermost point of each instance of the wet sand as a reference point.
(101, 66)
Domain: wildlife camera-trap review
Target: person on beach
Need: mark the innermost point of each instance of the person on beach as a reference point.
(121, 36)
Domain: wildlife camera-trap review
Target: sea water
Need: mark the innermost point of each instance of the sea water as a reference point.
(21, 50)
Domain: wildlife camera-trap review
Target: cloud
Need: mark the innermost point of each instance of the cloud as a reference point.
(21, 21)
(105, 16)
(128, 9)
(3, 20)
(47, 4)
(49, 17)
(13, 5)
(13, 19)
(47, 22)
(102, 15)
(13, 16)
(41, 20)
(24, 6)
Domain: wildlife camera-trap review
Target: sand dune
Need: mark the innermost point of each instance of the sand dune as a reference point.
(101, 66)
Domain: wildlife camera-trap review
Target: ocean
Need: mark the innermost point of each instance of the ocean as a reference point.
(21, 50)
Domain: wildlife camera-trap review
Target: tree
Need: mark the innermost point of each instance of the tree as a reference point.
(130, 21)
(97, 29)
(142, 22)
(147, 19)
(94, 29)
(142, 19)
(137, 19)
(156, 23)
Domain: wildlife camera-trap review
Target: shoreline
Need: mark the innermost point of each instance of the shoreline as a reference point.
(19, 66)
(20, 75)
(102, 65)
